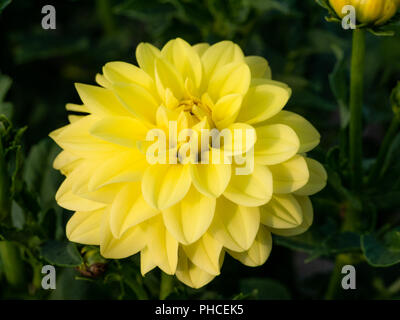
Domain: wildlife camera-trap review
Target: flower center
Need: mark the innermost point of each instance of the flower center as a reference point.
(198, 109)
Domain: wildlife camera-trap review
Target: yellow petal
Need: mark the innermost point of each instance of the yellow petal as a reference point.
(226, 110)
(138, 101)
(63, 159)
(129, 209)
(129, 244)
(66, 199)
(282, 212)
(84, 227)
(290, 175)
(307, 210)
(190, 274)
(254, 189)
(162, 246)
(200, 48)
(317, 181)
(308, 135)
(235, 227)
(165, 185)
(205, 253)
(189, 219)
(168, 77)
(263, 101)
(123, 72)
(211, 179)
(146, 262)
(259, 250)
(100, 101)
(275, 143)
(102, 81)
(238, 138)
(125, 131)
(146, 54)
(76, 107)
(259, 67)
(185, 59)
(219, 55)
(123, 167)
(229, 79)
(76, 139)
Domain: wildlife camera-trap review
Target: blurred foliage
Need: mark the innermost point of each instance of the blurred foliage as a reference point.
(38, 68)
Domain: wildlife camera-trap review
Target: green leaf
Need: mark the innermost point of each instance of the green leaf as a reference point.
(64, 254)
(39, 174)
(264, 289)
(382, 252)
(17, 216)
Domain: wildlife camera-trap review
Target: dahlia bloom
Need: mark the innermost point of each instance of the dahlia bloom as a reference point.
(184, 215)
(375, 12)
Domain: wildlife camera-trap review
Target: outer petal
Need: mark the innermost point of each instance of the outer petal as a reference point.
(165, 185)
(146, 261)
(238, 138)
(123, 167)
(129, 209)
(250, 190)
(122, 72)
(129, 244)
(84, 227)
(263, 101)
(235, 227)
(137, 100)
(205, 253)
(162, 246)
(290, 175)
(282, 212)
(317, 181)
(259, 250)
(275, 143)
(307, 209)
(100, 101)
(190, 274)
(308, 135)
(189, 219)
(146, 54)
(259, 67)
(125, 131)
(200, 48)
(76, 139)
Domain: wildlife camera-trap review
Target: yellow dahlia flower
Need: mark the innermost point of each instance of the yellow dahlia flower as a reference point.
(375, 12)
(184, 215)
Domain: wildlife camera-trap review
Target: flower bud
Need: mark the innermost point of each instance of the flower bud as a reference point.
(375, 12)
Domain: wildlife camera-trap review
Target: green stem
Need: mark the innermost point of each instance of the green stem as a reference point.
(377, 169)
(104, 13)
(335, 278)
(356, 97)
(350, 223)
(13, 268)
(167, 285)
